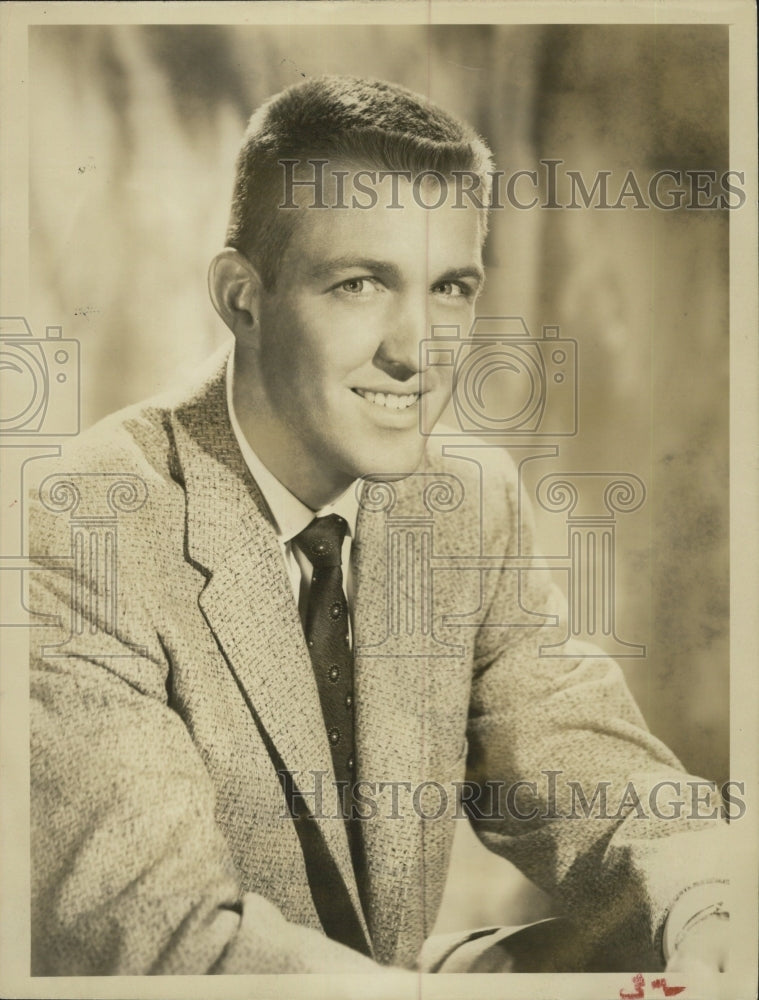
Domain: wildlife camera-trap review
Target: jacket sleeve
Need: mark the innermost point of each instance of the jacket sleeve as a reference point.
(590, 805)
(130, 873)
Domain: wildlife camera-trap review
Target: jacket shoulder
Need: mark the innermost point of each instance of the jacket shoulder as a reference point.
(134, 443)
(137, 440)
(127, 462)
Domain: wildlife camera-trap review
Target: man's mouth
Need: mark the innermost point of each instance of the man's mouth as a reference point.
(389, 400)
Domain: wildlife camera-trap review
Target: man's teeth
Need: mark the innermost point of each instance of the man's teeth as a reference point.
(389, 400)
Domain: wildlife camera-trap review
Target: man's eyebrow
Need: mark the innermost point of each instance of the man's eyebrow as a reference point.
(348, 261)
(472, 271)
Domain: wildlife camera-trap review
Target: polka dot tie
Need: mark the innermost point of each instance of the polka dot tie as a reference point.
(328, 639)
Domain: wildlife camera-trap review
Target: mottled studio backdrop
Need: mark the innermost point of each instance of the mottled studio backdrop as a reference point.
(133, 136)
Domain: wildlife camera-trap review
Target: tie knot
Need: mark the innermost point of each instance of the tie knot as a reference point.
(322, 541)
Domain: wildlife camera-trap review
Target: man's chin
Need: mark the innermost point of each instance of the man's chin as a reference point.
(393, 468)
(386, 477)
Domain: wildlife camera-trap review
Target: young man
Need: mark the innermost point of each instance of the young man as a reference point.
(250, 741)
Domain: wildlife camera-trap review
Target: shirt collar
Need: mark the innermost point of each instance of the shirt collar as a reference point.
(290, 514)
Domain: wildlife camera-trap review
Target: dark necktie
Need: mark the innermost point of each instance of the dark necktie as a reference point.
(328, 638)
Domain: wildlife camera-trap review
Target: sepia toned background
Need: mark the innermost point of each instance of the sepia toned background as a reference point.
(134, 131)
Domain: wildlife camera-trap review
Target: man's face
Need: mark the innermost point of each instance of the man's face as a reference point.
(338, 359)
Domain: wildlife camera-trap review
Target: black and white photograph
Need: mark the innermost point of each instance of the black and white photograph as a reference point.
(378, 419)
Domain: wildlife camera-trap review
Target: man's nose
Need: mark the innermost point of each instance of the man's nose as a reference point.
(398, 353)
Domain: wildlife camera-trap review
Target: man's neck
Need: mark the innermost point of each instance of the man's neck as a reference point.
(254, 436)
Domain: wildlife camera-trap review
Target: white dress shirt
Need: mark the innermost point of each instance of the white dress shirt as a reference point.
(291, 516)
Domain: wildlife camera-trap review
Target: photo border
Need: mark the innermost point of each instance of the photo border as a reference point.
(16, 286)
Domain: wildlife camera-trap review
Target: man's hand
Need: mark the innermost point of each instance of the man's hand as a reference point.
(549, 945)
(702, 953)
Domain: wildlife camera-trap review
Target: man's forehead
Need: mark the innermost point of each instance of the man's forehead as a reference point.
(406, 238)
(356, 210)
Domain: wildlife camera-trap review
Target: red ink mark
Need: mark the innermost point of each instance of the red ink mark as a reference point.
(638, 982)
(669, 991)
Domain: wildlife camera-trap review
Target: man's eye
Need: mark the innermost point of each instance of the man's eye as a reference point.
(357, 286)
(451, 289)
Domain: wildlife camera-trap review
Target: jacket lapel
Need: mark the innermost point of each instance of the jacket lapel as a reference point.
(411, 698)
(391, 699)
(248, 601)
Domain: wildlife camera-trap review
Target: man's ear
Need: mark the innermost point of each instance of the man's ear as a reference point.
(235, 288)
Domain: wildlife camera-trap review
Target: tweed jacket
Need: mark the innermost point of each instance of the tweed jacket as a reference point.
(172, 681)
